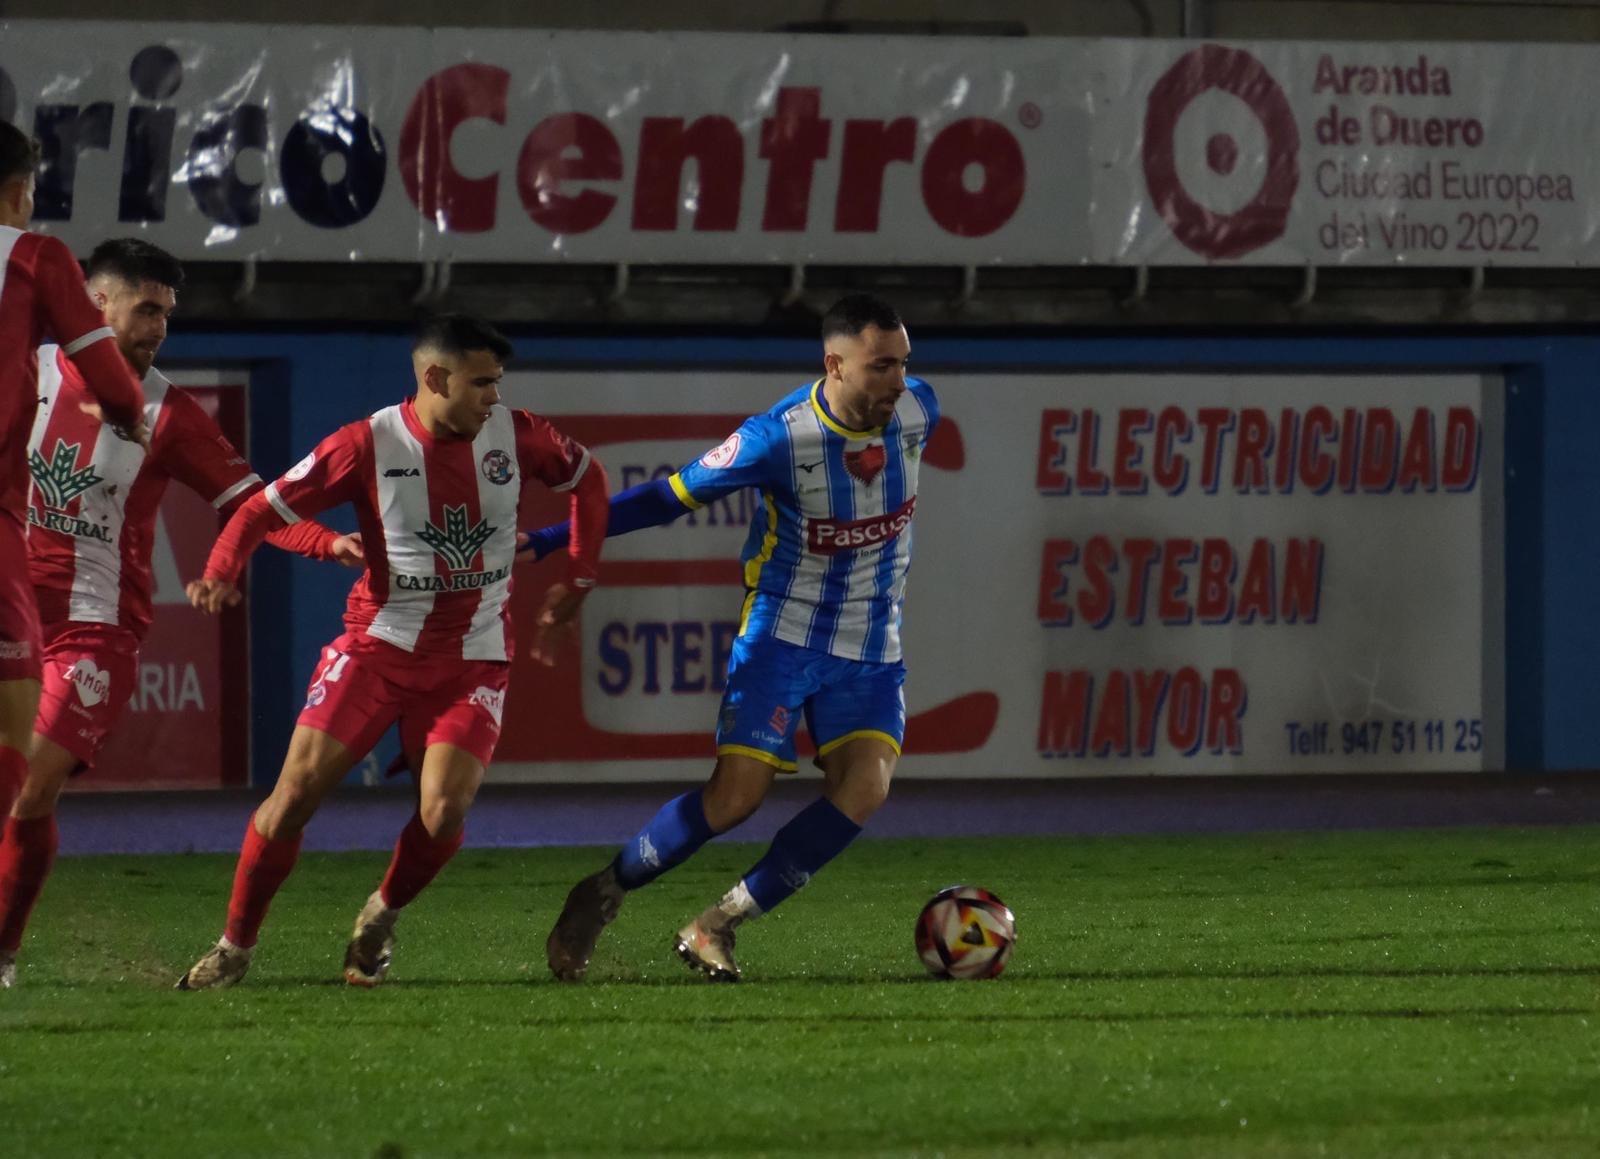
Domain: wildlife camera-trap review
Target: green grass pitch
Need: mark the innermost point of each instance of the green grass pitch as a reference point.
(1389, 994)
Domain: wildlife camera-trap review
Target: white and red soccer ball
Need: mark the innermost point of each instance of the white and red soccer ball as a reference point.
(965, 932)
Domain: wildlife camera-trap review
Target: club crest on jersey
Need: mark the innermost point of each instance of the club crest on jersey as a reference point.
(60, 481)
(458, 542)
(497, 467)
(866, 463)
(723, 455)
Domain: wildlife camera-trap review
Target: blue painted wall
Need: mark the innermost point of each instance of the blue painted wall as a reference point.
(307, 384)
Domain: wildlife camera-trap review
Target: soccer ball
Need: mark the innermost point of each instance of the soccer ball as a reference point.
(965, 932)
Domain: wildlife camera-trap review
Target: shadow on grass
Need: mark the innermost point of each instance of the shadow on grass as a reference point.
(676, 980)
(388, 1021)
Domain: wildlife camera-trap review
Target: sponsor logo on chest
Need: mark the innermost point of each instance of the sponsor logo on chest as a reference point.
(459, 543)
(460, 540)
(456, 537)
(831, 536)
(65, 524)
(59, 479)
(460, 581)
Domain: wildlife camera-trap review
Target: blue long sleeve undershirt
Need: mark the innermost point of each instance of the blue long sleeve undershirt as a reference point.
(646, 505)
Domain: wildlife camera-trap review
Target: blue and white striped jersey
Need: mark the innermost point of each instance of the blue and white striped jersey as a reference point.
(826, 559)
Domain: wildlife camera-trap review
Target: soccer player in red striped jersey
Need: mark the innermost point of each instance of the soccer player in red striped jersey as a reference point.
(41, 292)
(92, 522)
(436, 483)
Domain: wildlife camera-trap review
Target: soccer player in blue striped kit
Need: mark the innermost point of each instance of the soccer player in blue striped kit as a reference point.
(824, 571)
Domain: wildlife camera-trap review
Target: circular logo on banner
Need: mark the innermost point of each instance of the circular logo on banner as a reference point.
(721, 456)
(497, 466)
(1234, 71)
(301, 469)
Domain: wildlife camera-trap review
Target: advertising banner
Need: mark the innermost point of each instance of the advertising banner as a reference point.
(1112, 574)
(337, 143)
(1359, 154)
(331, 143)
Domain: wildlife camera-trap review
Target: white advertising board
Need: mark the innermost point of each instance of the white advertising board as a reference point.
(1113, 573)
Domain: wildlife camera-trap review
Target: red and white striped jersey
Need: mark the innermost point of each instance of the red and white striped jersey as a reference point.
(92, 509)
(438, 519)
(42, 293)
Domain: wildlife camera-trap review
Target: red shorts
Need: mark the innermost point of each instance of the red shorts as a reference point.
(362, 686)
(89, 674)
(19, 614)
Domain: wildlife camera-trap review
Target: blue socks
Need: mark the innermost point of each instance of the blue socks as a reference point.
(671, 837)
(812, 838)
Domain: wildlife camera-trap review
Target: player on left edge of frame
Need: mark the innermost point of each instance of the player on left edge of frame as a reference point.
(92, 514)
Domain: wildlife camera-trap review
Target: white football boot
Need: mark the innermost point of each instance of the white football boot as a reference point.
(223, 965)
(8, 971)
(371, 950)
(706, 945)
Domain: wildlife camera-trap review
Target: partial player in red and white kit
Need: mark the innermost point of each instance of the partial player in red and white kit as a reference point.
(436, 483)
(41, 293)
(92, 520)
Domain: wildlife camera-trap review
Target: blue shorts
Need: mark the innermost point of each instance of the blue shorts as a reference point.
(771, 681)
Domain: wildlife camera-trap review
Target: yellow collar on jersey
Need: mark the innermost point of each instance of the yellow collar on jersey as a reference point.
(831, 423)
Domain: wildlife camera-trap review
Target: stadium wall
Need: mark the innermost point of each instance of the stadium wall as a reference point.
(306, 384)
(1503, 20)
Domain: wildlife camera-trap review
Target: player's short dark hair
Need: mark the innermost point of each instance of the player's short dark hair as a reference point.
(135, 260)
(460, 334)
(853, 313)
(19, 153)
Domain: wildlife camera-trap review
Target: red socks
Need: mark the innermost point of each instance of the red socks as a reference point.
(418, 858)
(13, 772)
(27, 851)
(263, 867)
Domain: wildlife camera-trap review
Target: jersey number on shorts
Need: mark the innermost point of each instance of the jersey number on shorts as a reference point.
(334, 668)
